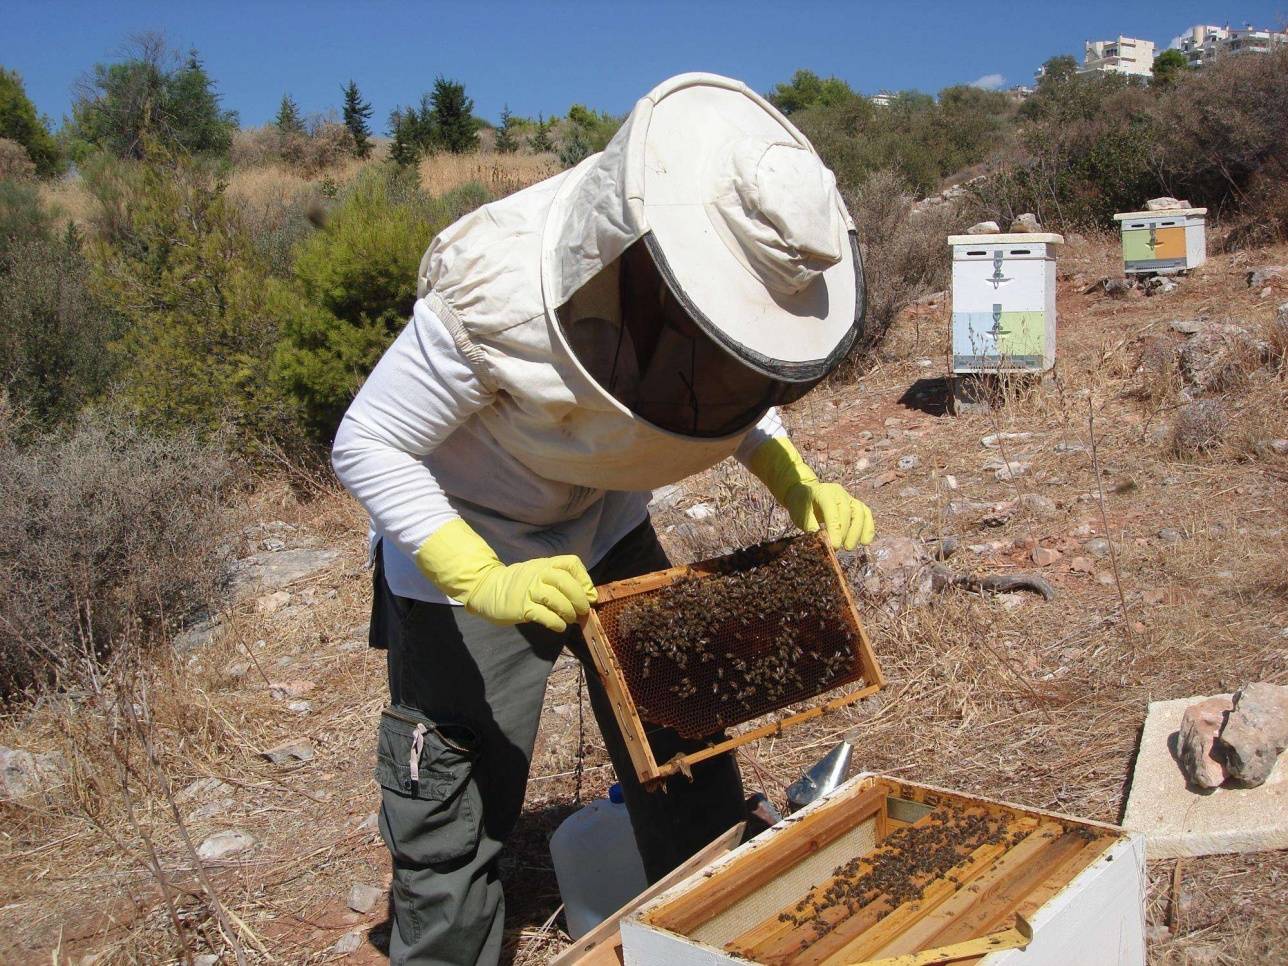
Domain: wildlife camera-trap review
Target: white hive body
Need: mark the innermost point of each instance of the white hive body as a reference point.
(1004, 316)
(1163, 242)
(1035, 889)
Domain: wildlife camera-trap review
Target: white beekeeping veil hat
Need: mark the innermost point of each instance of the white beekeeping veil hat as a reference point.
(740, 217)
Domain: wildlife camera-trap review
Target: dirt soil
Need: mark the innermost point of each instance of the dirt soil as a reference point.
(1169, 575)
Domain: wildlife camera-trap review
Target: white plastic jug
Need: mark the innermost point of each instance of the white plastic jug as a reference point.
(597, 863)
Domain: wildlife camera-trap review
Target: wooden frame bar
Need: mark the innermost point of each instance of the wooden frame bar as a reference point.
(647, 768)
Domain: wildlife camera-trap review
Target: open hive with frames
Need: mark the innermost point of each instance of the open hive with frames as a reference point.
(725, 642)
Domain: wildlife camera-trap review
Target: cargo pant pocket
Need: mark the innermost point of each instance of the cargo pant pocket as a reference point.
(431, 811)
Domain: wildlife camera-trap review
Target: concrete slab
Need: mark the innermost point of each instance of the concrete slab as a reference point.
(1178, 821)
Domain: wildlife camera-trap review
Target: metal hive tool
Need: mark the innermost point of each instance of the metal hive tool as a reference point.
(731, 660)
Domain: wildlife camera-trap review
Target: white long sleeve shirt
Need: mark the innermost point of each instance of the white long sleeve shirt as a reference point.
(412, 453)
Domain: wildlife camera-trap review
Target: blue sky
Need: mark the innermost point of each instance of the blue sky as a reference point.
(544, 56)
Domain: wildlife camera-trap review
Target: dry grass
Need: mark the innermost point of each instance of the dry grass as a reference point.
(500, 174)
(69, 199)
(1036, 702)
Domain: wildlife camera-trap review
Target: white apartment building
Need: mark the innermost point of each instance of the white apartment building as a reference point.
(1123, 55)
(1203, 42)
(881, 98)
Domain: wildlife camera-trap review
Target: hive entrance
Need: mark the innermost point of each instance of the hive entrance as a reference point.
(704, 648)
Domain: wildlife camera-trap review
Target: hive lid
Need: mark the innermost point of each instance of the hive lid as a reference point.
(1160, 213)
(1008, 238)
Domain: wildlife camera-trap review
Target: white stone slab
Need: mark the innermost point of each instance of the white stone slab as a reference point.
(1177, 821)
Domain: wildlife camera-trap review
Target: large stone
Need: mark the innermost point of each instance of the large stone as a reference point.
(197, 635)
(1045, 556)
(1178, 820)
(274, 570)
(347, 944)
(1165, 203)
(1259, 278)
(1098, 547)
(665, 497)
(1219, 355)
(24, 775)
(221, 845)
(984, 228)
(1011, 470)
(1027, 222)
(291, 751)
(363, 898)
(1255, 733)
(281, 690)
(272, 603)
(1200, 725)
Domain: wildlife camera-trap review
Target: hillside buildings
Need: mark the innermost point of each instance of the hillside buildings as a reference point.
(1123, 55)
(1204, 43)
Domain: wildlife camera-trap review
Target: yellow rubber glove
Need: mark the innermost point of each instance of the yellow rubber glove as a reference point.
(812, 505)
(550, 591)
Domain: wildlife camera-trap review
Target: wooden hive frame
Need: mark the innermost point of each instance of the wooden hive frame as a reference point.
(999, 896)
(647, 768)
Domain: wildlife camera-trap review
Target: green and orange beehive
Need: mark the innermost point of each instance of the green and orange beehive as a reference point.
(1164, 241)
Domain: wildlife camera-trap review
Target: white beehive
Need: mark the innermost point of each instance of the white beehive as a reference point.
(1003, 303)
(1163, 242)
(885, 868)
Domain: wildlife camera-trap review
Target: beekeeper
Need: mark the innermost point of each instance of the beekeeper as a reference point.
(615, 328)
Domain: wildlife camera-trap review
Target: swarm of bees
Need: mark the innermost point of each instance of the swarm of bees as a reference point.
(910, 858)
(768, 631)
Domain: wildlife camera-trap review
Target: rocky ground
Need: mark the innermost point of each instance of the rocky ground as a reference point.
(1145, 485)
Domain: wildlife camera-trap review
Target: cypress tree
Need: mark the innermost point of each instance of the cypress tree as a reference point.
(356, 112)
(506, 142)
(454, 126)
(540, 140)
(288, 116)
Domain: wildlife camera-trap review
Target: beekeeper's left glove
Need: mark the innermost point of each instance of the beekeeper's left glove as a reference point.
(812, 505)
(550, 591)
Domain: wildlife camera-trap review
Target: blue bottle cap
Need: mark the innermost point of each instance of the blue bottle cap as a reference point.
(615, 794)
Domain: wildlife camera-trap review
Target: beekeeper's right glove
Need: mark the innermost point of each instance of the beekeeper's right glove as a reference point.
(550, 591)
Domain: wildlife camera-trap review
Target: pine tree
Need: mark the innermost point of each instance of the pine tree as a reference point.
(540, 140)
(356, 112)
(404, 150)
(506, 142)
(454, 125)
(288, 116)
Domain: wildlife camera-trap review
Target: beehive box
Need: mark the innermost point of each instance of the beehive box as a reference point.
(728, 642)
(1163, 242)
(1004, 318)
(885, 868)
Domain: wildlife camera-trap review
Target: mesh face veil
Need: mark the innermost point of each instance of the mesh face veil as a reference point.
(637, 341)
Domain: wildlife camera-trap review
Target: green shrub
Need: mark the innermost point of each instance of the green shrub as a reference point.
(20, 123)
(201, 310)
(22, 217)
(356, 278)
(54, 334)
(108, 535)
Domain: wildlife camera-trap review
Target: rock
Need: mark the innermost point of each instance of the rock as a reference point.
(1117, 288)
(984, 228)
(291, 751)
(363, 898)
(1011, 471)
(1082, 565)
(885, 479)
(223, 844)
(1200, 726)
(1160, 285)
(950, 481)
(236, 669)
(197, 635)
(1037, 503)
(205, 959)
(956, 508)
(272, 544)
(272, 603)
(1164, 203)
(1105, 578)
(1045, 556)
(202, 789)
(347, 944)
(272, 570)
(1066, 447)
(300, 707)
(1219, 355)
(211, 810)
(1279, 447)
(281, 690)
(1266, 275)
(665, 497)
(861, 464)
(1255, 733)
(999, 514)
(1187, 326)
(700, 511)
(24, 774)
(1027, 222)
(1156, 933)
(993, 440)
(908, 462)
(1169, 535)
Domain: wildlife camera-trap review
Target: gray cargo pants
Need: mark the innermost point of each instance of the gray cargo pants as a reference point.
(465, 699)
